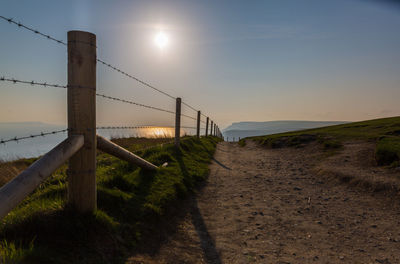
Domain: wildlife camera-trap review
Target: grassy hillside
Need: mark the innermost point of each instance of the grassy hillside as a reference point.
(385, 132)
(44, 230)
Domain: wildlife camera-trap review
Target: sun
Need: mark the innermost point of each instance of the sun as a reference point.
(161, 40)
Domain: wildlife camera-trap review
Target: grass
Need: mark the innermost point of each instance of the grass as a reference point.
(385, 132)
(43, 229)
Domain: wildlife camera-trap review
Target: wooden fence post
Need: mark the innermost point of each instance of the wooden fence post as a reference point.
(198, 124)
(82, 119)
(178, 122)
(211, 128)
(207, 126)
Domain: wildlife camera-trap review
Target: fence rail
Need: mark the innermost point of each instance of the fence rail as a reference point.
(82, 141)
(21, 186)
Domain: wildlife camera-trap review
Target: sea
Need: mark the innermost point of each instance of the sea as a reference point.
(34, 147)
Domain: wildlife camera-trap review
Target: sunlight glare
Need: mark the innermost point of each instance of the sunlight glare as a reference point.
(161, 40)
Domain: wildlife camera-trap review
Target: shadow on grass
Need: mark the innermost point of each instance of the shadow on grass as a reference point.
(73, 236)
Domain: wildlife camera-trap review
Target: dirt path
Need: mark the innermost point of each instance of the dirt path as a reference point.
(271, 206)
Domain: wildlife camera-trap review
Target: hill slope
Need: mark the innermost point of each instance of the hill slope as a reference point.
(384, 133)
(248, 129)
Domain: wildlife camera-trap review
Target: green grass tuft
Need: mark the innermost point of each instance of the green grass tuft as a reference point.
(388, 151)
(10, 253)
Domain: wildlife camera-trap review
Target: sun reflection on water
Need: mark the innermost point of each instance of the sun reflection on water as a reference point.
(149, 132)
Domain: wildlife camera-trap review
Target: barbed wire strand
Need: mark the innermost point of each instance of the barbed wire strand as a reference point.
(140, 127)
(142, 82)
(20, 25)
(134, 103)
(189, 116)
(134, 78)
(15, 81)
(194, 109)
(45, 84)
(42, 134)
(123, 127)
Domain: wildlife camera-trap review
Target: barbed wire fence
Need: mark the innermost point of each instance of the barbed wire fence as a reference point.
(104, 96)
(79, 148)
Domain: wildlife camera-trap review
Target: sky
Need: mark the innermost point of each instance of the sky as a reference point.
(233, 60)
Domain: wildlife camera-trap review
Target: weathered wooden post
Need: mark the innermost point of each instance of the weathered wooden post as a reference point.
(211, 128)
(198, 124)
(178, 122)
(207, 126)
(81, 101)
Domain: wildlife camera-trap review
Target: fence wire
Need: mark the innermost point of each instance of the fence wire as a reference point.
(187, 116)
(134, 103)
(123, 127)
(42, 134)
(194, 109)
(45, 84)
(139, 127)
(134, 78)
(20, 25)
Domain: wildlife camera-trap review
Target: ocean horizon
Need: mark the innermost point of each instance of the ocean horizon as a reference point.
(34, 147)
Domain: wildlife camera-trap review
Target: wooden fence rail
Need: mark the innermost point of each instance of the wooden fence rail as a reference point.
(21, 186)
(113, 149)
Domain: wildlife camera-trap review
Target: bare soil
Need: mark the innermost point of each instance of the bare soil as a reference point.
(288, 206)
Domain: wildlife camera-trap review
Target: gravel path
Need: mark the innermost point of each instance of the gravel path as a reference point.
(271, 206)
